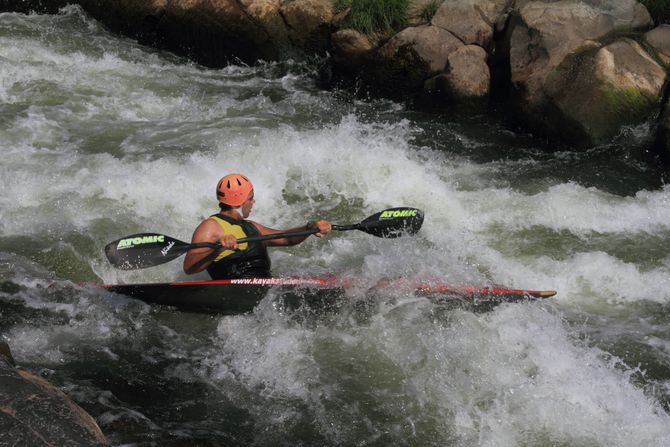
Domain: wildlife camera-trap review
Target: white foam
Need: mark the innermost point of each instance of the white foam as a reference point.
(515, 376)
(572, 207)
(264, 356)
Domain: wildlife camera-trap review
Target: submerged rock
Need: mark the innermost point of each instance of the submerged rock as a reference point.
(35, 413)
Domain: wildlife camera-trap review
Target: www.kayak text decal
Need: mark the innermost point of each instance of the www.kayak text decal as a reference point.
(275, 281)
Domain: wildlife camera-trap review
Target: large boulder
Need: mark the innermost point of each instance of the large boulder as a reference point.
(447, 57)
(545, 35)
(659, 40)
(35, 413)
(593, 92)
(309, 23)
(349, 47)
(430, 45)
(470, 20)
(466, 76)
(401, 66)
(350, 50)
(212, 32)
(468, 73)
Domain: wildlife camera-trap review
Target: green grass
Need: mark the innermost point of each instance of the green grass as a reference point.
(659, 10)
(372, 16)
(429, 10)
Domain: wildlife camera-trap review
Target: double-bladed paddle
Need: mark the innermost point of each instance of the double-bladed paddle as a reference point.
(150, 249)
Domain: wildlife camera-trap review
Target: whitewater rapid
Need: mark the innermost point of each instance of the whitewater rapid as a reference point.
(101, 138)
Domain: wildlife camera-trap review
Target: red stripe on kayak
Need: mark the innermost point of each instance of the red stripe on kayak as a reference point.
(438, 288)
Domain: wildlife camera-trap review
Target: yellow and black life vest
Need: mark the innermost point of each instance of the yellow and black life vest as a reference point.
(250, 260)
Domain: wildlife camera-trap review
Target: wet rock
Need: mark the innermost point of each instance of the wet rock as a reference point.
(6, 354)
(402, 65)
(429, 45)
(470, 20)
(309, 23)
(468, 73)
(466, 76)
(35, 413)
(597, 90)
(349, 46)
(545, 41)
(624, 65)
(544, 33)
(212, 32)
(659, 39)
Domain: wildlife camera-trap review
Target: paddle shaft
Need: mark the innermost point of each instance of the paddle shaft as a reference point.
(268, 237)
(150, 249)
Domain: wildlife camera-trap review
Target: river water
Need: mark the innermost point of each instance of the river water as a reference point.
(101, 138)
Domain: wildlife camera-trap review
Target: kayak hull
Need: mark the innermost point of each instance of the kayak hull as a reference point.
(237, 296)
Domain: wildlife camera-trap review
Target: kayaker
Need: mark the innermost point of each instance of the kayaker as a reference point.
(236, 199)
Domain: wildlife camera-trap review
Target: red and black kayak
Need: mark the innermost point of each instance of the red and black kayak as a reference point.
(235, 296)
(242, 295)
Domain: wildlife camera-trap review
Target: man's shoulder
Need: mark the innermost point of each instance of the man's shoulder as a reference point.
(209, 224)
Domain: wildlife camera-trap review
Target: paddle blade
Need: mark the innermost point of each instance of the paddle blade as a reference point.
(143, 250)
(393, 222)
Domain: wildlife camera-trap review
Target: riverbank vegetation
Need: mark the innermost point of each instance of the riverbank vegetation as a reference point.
(429, 10)
(373, 16)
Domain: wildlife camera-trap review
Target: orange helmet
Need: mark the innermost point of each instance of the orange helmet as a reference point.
(233, 189)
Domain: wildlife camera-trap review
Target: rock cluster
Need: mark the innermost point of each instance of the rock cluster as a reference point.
(576, 70)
